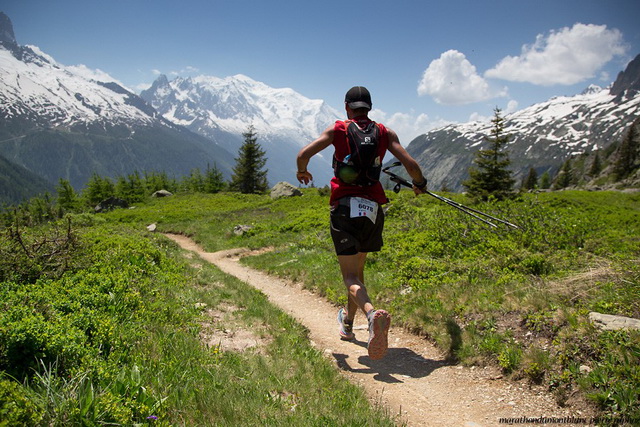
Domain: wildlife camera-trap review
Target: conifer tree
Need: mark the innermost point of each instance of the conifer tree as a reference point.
(67, 197)
(565, 176)
(194, 183)
(492, 177)
(97, 189)
(545, 180)
(130, 188)
(627, 154)
(530, 182)
(248, 173)
(596, 166)
(213, 180)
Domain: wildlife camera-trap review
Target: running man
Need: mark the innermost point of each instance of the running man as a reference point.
(357, 196)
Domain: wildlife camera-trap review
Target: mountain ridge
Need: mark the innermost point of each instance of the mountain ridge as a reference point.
(67, 122)
(543, 135)
(222, 108)
(70, 122)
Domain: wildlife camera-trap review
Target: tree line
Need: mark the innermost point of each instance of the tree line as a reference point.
(249, 176)
(490, 175)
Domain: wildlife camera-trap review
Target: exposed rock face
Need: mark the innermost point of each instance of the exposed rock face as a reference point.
(284, 189)
(627, 84)
(609, 322)
(6, 30)
(110, 204)
(162, 193)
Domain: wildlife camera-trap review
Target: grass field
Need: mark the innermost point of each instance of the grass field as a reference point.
(518, 299)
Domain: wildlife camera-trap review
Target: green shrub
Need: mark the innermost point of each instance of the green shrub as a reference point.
(16, 408)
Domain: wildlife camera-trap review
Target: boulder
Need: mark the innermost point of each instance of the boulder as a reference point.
(241, 230)
(284, 189)
(162, 193)
(609, 322)
(109, 204)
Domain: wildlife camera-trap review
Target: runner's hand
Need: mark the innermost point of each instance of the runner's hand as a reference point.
(304, 177)
(420, 188)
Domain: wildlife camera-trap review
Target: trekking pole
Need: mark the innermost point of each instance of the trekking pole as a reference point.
(466, 209)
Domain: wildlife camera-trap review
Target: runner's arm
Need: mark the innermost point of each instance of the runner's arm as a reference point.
(313, 148)
(409, 163)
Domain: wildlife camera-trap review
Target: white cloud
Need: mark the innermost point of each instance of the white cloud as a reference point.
(142, 86)
(477, 117)
(186, 70)
(407, 125)
(156, 72)
(89, 74)
(453, 80)
(568, 56)
(512, 107)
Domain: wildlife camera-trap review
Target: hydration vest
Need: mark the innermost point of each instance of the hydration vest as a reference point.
(362, 165)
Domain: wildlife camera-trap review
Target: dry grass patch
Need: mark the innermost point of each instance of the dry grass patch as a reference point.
(222, 331)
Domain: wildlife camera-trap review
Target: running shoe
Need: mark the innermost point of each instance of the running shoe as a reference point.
(379, 322)
(346, 327)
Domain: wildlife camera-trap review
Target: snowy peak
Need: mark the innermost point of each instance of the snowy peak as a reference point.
(224, 108)
(33, 85)
(543, 135)
(232, 103)
(591, 89)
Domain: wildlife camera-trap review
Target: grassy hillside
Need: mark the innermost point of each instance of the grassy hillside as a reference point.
(118, 328)
(18, 184)
(517, 299)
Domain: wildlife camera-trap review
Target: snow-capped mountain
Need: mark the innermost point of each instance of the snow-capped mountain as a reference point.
(542, 135)
(33, 85)
(70, 122)
(223, 109)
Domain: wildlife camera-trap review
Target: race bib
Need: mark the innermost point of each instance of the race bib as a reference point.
(364, 207)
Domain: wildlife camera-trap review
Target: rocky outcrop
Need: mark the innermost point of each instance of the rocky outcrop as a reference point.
(284, 189)
(609, 322)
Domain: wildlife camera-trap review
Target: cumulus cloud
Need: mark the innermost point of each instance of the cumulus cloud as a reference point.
(453, 80)
(407, 125)
(186, 70)
(512, 107)
(567, 56)
(90, 74)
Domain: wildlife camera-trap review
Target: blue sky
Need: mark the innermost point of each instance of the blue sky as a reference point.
(426, 63)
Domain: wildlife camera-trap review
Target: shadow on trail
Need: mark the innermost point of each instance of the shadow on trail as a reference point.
(399, 362)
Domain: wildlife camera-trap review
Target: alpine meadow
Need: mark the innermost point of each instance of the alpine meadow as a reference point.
(102, 320)
(512, 279)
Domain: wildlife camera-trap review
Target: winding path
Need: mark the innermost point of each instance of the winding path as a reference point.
(414, 381)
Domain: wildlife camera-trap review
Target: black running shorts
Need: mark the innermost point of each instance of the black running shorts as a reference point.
(353, 235)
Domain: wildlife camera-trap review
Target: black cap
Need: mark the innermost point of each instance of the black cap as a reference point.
(358, 97)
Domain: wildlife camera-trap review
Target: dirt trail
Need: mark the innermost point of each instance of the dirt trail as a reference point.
(413, 381)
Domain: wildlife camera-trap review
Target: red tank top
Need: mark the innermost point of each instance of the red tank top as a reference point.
(339, 189)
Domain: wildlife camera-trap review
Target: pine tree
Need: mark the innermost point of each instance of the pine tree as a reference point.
(248, 174)
(596, 166)
(155, 181)
(194, 183)
(530, 182)
(627, 154)
(67, 197)
(545, 180)
(131, 188)
(492, 177)
(565, 176)
(97, 190)
(213, 180)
